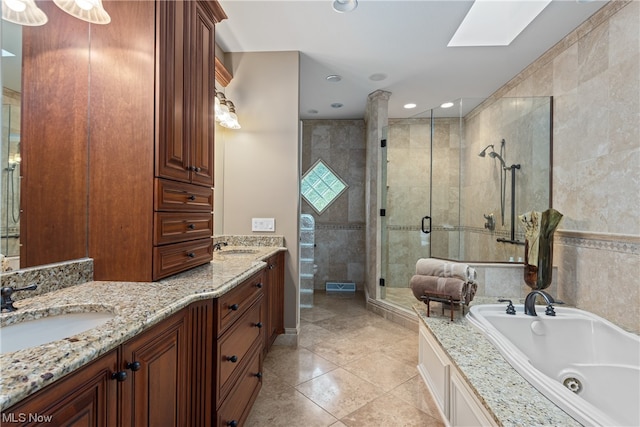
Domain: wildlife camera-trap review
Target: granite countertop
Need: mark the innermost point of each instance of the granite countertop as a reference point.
(136, 305)
(502, 391)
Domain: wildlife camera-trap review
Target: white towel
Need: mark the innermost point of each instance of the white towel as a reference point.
(440, 268)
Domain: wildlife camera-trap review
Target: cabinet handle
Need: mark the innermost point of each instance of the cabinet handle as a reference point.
(232, 423)
(258, 375)
(259, 285)
(232, 359)
(191, 226)
(191, 197)
(119, 376)
(191, 255)
(134, 366)
(259, 325)
(234, 307)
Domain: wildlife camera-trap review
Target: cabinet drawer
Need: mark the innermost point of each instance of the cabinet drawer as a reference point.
(173, 227)
(174, 258)
(236, 405)
(237, 345)
(234, 303)
(180, 196)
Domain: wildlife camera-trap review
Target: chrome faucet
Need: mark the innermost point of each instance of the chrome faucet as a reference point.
(530, 303)
(218, 246)
(6, 302)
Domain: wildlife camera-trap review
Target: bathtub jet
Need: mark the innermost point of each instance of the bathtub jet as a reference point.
(586, 365)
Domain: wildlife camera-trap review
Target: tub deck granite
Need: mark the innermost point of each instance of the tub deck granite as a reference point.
(137, 306)
(504, 393)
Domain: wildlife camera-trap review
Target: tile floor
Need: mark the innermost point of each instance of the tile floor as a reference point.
(351, 368)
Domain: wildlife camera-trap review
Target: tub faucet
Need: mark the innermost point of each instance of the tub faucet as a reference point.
(218, 246)
(6, 302)
(530, 303)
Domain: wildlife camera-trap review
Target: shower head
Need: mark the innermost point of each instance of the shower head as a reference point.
(495, 155)
(483, 152)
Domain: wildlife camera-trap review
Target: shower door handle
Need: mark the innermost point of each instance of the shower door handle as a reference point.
(425, 229)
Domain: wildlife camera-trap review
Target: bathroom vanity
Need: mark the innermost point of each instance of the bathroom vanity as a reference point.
(184, 351)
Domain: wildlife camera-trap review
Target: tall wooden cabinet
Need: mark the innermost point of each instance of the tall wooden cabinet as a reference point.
(145, 126)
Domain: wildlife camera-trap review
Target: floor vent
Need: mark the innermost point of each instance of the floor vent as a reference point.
(340, 286)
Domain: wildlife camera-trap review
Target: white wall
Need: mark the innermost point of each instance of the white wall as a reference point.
(257, 166)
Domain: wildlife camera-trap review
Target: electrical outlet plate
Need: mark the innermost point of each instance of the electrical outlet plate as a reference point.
(263, 224)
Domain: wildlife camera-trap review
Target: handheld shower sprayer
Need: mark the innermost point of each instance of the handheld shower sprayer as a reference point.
(483, 152)
(495, 155)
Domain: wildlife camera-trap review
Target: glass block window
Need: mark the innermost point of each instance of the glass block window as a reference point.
(321, 186)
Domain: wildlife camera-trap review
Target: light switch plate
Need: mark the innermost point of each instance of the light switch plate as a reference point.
(263, 224)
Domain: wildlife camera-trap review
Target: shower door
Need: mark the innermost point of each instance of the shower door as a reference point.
(406, 220)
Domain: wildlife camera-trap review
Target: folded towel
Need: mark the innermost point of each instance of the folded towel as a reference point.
(448, 286)
(440, 268)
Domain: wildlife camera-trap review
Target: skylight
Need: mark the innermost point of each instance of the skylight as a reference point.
(496, 22)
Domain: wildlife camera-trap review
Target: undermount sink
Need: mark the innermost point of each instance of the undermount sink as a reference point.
(238, 252)
(34, 332)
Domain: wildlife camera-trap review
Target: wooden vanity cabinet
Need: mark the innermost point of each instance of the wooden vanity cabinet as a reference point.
(143, 382)
(274, 295)
(85, 398)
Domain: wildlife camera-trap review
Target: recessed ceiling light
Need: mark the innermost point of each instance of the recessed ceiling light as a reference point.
(334, 78)
(496, 23)
(447, 105)
(409, 106)
(377, 77)
(342, 6)
(337, 105)
(312, 111)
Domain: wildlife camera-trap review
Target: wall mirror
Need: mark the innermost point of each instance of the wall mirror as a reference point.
(449, 174)
(39, 84)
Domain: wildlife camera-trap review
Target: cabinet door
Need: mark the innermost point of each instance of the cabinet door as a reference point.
(172, 158)
(275, 298)
(201, 81)
(87, 397)
(156, 391)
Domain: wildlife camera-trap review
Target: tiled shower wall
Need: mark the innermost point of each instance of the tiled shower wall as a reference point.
(10, 199)
(340, 230)
(594, 76)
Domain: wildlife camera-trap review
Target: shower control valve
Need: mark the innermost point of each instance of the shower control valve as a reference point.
(490, 224)
(510, 308)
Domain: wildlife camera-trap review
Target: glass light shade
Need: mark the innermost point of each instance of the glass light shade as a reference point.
(87, 10)
(23, 12)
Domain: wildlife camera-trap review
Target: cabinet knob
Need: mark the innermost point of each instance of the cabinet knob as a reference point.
(271, 266)
(259, 285)
(234, 307)
(197, 169)
(232, 359)
(232, 423)
(192, 197)
(134, 366)
(191, 226)
(191, 255)
(119, 376)
(259, 325)
(258, 375)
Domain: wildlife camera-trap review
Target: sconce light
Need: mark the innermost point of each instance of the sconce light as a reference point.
(225, 112)
(23, 12)
(87, 10)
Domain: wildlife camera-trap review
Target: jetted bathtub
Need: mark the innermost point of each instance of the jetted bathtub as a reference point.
(581, 362)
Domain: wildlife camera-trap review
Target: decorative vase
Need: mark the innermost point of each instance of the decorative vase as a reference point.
(538, 247)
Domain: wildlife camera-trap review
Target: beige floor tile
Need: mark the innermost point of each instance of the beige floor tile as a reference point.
(388, 410)
(381, 370)
(339, 392)
(341, 350)
(286, 409)
(415, 393)
(404, 349)
(316, 314)
(296, 366)
(311, 334)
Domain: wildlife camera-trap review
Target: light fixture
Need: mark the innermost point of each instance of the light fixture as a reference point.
(342, 6)
(225, 112)
(333, 78)
(496, 23)
(23, 12)
(447, 105)
(87, 10)
(409, 106)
